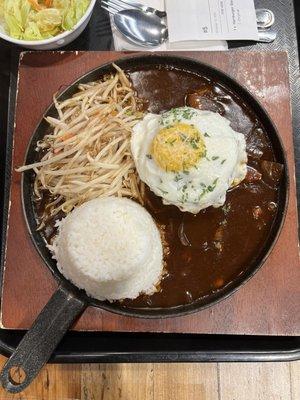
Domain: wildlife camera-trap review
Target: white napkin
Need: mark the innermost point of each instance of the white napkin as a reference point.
(122, 44)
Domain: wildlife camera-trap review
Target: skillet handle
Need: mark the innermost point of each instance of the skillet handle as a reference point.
(40, 341)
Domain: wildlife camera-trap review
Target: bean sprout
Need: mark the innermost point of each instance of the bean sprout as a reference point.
(87, 154)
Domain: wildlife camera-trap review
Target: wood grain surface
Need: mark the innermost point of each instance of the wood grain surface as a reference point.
(267, 304)
(232, 381)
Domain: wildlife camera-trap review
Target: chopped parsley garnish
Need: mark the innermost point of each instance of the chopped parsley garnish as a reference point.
(201, 194)
(171, 142)
(183, 137)
(206, 134)
(188, 114)
(184, 197)
(185, 194)
(178, 178)
(149, 156)
(222, 162)
(214, 158)
(186, 172)
(194, 144)
(207, 189)
(175, 115)
(163, 191)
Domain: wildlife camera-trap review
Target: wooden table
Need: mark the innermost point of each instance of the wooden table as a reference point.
(230, 381)
(163, 381)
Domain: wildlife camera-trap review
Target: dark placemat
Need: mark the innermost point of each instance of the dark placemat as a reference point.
(268, 304)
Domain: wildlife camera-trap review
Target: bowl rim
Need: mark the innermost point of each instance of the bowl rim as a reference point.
(54, 39)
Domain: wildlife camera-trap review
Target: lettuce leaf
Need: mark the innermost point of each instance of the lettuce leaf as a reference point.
(32, 32)
(48, 19)
(72, 11)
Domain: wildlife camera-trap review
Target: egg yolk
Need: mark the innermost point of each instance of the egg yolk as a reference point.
(178, 148)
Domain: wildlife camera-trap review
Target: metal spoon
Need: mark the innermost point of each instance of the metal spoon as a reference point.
(142, 28)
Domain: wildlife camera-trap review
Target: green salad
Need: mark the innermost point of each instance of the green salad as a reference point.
(37, 20)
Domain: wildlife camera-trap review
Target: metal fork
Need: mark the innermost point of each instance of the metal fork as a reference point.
(112, 9)
(120, 5)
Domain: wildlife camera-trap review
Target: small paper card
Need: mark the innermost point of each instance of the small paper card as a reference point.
(211, 20)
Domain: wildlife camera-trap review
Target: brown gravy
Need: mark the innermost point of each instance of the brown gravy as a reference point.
(208, 250)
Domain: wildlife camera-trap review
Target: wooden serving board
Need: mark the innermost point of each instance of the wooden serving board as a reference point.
(269, 304)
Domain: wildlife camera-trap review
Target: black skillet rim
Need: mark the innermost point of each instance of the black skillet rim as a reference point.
(242, 92)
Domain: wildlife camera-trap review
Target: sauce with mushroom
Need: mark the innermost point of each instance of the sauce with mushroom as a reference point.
(210, 249)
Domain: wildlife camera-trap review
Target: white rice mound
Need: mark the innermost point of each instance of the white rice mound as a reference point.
(111, 248)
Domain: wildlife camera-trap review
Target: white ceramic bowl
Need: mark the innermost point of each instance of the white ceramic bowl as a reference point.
(56, 42)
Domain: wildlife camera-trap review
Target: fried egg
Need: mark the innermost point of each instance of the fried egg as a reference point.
(189, 157)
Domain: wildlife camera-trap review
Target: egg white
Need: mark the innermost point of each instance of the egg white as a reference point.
(206, 183)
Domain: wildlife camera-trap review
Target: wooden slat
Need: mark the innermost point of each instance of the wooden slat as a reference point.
(185, 381)
(254, 381)
(117, 381)
(55, 382)
(295, 380)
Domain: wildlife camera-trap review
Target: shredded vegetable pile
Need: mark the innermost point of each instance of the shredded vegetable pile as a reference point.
(88, 153)
(37, 20)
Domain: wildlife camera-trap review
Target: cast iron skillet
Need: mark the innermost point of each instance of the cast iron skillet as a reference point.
(68, 302)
